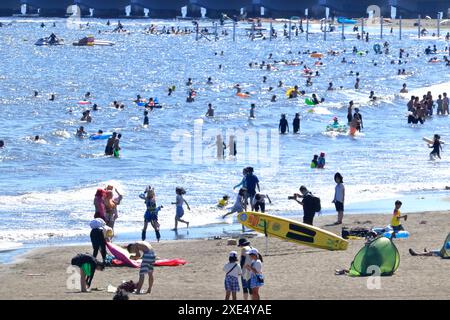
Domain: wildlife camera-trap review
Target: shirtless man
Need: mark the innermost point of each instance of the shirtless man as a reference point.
(109, 149)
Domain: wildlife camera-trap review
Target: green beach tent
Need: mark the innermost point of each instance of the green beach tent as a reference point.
(445, 251)
(380, 252)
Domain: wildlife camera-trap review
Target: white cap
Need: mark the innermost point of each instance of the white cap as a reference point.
(253, 251)
(233, 254)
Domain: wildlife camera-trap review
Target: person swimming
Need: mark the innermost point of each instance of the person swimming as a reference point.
(223, 202)
(86, 116)
(190, 98)
(294, 93)
(80, 132)
(315, 100)
(404, 90)
(210, 111)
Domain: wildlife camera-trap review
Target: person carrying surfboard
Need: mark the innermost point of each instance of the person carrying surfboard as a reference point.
(437, 148)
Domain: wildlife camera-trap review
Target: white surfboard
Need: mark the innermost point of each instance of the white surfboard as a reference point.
(431, 141)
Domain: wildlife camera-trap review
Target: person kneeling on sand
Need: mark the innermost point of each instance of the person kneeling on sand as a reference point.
(148, 262)
(88, 265)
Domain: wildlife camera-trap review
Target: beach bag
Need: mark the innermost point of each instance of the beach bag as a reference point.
(356, 232)
(128, 286)
(260, 278)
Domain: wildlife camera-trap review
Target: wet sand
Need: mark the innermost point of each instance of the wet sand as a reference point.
(291, 271)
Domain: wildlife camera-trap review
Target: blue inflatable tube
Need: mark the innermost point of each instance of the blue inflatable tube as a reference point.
(399, 235)
(103, 136)
(346, 21)
(377, 48)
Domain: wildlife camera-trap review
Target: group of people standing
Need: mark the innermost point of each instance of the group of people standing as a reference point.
(354, 119)
(112, 145)
(311, 204)
(418, 109)
(249, 269)
(283, 127)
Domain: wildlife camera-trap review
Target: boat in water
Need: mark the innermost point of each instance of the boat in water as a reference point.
(91, 41)
(49, 42)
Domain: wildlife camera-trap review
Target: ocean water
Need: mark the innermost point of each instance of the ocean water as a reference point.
(47, 189)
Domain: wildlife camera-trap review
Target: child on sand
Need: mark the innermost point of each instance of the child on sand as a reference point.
(180, 211)
(88, 265)
(233, 272)
(395, 221)
(148, 262)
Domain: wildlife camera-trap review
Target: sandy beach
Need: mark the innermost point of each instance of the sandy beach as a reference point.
(291, 271)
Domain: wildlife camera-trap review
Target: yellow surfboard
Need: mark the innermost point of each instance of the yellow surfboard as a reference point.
(293, 231)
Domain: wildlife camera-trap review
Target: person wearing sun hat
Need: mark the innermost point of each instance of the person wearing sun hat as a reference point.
(232, 273)
(244, 244)
(256, 276)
